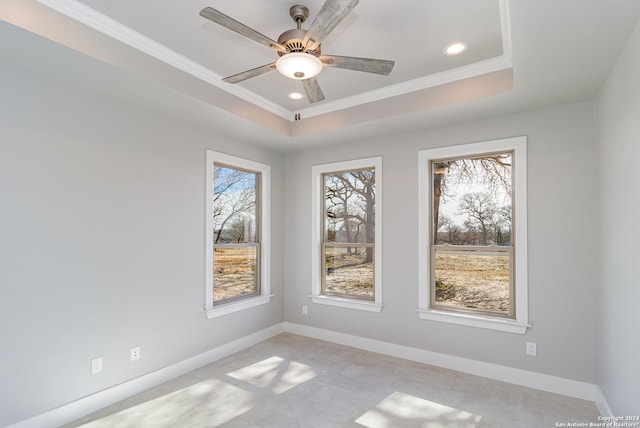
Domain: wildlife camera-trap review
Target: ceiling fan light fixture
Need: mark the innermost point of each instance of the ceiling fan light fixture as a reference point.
(299, 65)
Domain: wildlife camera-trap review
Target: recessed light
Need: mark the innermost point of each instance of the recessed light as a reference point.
(295, 95)
(455, 48)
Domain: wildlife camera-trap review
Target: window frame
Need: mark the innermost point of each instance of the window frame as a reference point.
(318, 229)
(426, 309)
(263, 296)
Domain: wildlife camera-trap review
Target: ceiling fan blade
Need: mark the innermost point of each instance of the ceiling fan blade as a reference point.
(230, 23)
(369, 65)
(313, 91)
(250, 73)
(330, 15)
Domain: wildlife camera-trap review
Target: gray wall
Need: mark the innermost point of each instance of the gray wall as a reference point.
(618, 139)
(102, 243)
(562, 256)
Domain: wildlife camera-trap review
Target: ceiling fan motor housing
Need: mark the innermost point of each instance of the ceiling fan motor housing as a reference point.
(292, 41)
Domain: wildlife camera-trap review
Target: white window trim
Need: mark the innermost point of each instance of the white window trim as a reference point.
(221, 309)
(317, 230)
(519, 146)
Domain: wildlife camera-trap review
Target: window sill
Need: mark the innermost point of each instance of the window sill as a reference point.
(508, 326)
(229, 308)
(347, 303)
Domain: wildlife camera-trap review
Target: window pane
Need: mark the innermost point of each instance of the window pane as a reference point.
(234, 205)
(472, 200)
(473, 279)
(235, 232)
(350, 205)
(349, 270)
(234, 272)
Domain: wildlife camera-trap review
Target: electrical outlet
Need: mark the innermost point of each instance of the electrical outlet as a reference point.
(305, 309)
(531, 349)
(96, 365)
(135, 353)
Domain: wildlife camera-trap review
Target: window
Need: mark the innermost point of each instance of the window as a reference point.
(346, 256)
(473, 259)
(237, 234)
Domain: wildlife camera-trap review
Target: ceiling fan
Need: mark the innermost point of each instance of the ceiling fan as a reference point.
(299, 50)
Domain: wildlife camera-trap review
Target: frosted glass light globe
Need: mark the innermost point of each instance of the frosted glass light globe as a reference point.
(299, 65)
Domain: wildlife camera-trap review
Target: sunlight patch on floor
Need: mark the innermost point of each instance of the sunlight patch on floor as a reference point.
(400, 409)
(277, 373)
(211, 402)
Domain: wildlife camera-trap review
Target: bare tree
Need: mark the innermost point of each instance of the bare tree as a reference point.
(503, 225)
(224, 179)
(481, 213)
(338, 197)
(451, 232)
(237, 229)
(234, 199)
(494, 171)
(350, 200)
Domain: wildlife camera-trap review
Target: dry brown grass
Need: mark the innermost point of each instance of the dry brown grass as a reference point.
(349, 273)
(479, 282)
(473, 281)
(234, 272)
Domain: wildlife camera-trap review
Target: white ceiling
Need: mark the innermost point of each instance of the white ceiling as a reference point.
(522, 55)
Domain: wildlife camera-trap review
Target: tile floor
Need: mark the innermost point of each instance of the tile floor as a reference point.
(295, 381)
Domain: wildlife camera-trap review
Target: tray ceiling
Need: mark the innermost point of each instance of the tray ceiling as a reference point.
(520, 55)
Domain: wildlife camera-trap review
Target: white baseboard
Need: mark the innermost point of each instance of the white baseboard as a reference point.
(558, 385)
(84, 406)
(603, 406)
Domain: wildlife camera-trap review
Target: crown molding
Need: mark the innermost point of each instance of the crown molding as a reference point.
(453, 75)
(118, 31)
